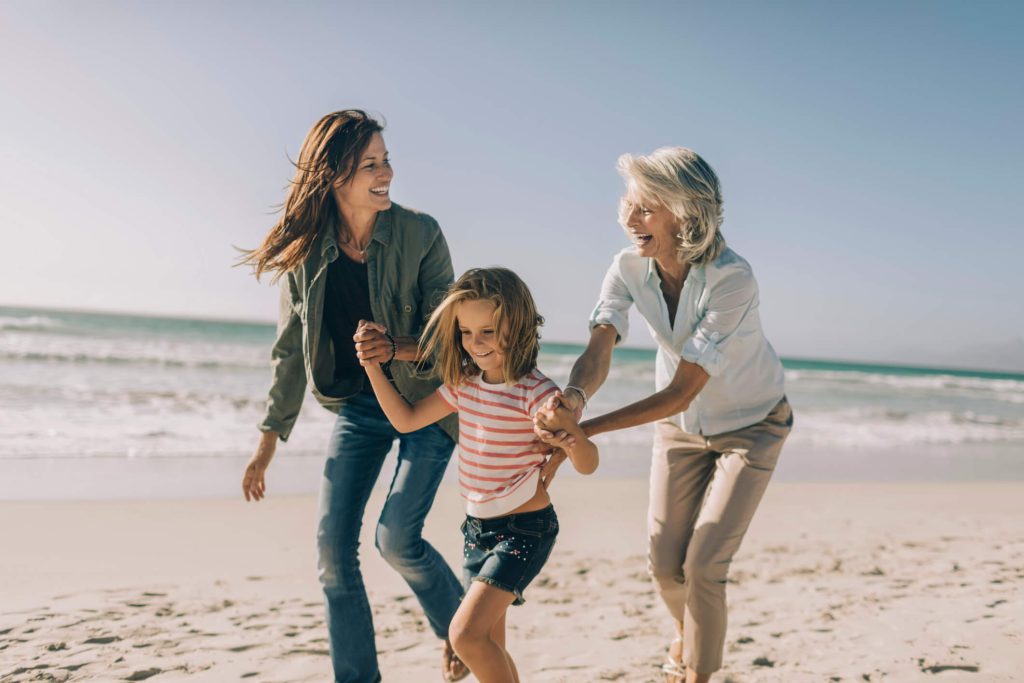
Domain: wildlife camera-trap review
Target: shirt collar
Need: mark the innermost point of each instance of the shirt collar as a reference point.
(696, 273)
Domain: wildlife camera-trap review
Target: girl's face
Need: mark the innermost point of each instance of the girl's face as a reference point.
(480, 337)
(653, 229)
(369, 187)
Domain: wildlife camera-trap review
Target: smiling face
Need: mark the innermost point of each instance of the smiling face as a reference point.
(653, 229)
(480, 339)
(369, 187)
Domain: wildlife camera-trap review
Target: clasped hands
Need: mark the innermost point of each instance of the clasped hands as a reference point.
(556, 425)
(372, 344)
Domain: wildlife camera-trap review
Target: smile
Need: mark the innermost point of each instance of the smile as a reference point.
(380, 191)
(483, 355)
(640, 238)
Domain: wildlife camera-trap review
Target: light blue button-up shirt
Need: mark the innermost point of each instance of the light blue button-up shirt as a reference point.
(717, 326)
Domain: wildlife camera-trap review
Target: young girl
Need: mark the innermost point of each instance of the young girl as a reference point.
(484, 341)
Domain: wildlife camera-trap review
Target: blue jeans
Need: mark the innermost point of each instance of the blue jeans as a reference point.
(361, 438)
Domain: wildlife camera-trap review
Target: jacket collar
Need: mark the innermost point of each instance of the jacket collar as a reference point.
(381, 233)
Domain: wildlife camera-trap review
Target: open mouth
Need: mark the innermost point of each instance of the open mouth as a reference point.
(381, 191)
(640, 238)
(483, 355)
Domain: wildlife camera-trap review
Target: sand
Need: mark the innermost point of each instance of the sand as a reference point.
(835, 582)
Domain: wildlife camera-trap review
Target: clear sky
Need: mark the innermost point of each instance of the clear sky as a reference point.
(871, 153)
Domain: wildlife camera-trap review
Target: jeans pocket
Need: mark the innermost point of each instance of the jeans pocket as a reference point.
(529, 527)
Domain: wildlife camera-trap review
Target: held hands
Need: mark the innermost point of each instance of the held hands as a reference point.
(556, 425)
(373, 344)
(553, 428)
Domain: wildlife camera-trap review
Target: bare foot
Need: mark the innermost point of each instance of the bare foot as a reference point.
(452, 668)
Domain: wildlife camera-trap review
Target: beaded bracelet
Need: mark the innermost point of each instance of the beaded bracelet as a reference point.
(386, 365)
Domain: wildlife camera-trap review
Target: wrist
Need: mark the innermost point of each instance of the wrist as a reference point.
(577, 397)
(406, 349)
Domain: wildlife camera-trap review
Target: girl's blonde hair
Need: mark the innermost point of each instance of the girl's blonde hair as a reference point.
(329, 153)
(516, 323)
(678, 179)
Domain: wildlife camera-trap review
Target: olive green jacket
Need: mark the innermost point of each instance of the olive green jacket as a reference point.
(409, 270)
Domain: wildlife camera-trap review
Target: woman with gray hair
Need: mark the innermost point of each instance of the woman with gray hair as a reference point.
(720, 411)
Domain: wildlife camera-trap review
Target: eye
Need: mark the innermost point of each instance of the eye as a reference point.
(645, 211)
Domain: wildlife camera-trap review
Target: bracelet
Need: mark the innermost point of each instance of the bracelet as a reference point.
(578, 390)
(386, 365)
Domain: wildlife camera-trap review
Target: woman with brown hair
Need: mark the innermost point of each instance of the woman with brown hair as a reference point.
(344, 253)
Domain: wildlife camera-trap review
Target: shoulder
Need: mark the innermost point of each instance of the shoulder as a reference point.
(412, 220)
(729, 270)
(628, 264)
(536, 382)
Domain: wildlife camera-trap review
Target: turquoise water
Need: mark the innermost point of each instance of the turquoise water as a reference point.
(80, 385)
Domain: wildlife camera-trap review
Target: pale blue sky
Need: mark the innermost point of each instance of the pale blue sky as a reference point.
(871, 154)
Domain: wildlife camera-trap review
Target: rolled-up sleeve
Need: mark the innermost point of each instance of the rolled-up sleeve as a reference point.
(613, 306)
(288, 385)
(729, 301)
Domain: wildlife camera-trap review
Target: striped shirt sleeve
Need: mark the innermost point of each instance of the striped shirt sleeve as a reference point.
(449, 396)
(542, 389)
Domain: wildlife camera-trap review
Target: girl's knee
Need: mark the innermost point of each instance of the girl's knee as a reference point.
(467, 634)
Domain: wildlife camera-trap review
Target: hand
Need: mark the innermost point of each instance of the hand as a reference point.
(254, 485)
(372, 344)
(546, 426)
(556, 425)
(547, 471)
(572, 401)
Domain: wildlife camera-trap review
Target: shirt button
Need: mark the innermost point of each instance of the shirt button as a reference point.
(408, 308)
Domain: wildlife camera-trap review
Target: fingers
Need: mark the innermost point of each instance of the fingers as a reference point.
(562, 439)
(254, 485)
(368, 329)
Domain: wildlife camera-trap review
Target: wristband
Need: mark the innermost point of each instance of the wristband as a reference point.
(386, 365)
(578, 390)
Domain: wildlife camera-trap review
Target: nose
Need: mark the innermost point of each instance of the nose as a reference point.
(633, 217)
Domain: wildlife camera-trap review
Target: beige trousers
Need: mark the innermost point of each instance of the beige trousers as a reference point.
(704, 491)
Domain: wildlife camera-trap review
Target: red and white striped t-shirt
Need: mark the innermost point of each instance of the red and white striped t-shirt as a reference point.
(499, 463)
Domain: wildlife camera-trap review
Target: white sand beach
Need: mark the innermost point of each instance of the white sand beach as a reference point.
(835, 582)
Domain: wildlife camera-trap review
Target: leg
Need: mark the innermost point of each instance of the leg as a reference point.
(498, 636)
(422, 459)
(359, 443)
(472, 633)
(741, 477)
(681, 469)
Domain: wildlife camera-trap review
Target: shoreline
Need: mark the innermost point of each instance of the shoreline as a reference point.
(833, 579)
(206, 477)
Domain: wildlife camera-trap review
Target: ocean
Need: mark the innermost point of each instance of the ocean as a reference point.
(104, 405)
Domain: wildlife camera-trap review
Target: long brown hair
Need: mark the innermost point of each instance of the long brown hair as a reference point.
(329, 153)
(516, 322)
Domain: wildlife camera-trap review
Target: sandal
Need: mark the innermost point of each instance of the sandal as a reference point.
(674, 670)
(452, 668)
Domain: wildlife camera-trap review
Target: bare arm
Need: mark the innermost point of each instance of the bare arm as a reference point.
(581, 450)
(689, 379)
(405, 417)
(591, 369)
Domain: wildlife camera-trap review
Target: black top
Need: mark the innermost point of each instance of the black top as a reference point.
(346, 302)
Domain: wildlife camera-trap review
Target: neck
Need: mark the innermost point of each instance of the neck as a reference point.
(672, 271)
(356, 225)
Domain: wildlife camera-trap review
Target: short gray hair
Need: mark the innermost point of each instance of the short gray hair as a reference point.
(678, 179)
